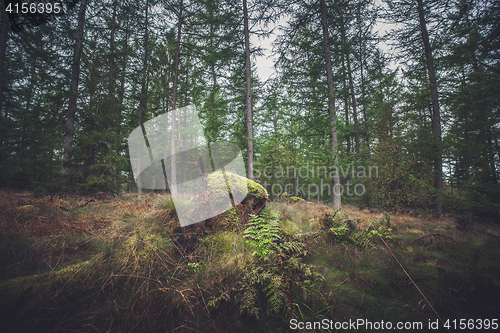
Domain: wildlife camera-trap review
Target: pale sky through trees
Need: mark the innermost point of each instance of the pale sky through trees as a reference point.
(91, 91)
(265, 63)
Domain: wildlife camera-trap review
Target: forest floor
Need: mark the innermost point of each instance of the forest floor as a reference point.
(106, 263)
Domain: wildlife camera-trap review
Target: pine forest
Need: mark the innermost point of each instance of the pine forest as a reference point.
(249, 165)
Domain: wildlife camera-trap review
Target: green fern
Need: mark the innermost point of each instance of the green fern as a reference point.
(278, 276)
(275, 292)
(339, 229)
(262, 233)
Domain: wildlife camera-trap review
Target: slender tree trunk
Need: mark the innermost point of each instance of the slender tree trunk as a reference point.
(214, 92)
(214, 83)
(436, 116)
(362, 83)
(177, 55)
(347, 84)
(344, 76)
(248, 99)
(184, 124)
(346, 110)
(348, 136)
(4, 37)
(112, 54)
(491, 156)
(213, 61)
(51, 158)
(131, 180)
(121, 92)
(142, 103)
(111, 90)
(354, 109)
(347, 55)
(331, 107)
(173, 169)
(121, 96)
(365, 119)
(75, 78)
(26, 111)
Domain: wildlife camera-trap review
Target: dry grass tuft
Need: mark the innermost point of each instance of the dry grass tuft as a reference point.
(23, 214)
(307, 215)
(117, 264)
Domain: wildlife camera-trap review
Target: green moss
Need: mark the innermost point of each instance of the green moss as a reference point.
(297, 199)
(230, 219)
(235, 185)
(28, 209)
(289, 228)
(13, 288)
(256, 188)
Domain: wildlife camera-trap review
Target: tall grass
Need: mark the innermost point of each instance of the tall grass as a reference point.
(63, 269)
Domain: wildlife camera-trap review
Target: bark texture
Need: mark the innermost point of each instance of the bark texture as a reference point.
(173, 169)
(436, 115)
(4, 37)
(248, 75)
(75, 78)
(142, 103)
(331, 106)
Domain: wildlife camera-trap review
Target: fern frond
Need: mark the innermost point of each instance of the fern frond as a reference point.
(275, 292)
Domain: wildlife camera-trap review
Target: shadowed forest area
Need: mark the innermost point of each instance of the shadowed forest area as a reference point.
(370, 156)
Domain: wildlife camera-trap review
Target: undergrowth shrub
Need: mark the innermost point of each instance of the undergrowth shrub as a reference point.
(277, 277)
(230, 220)
(465, 222)
(339, 229)
(382, 230)
(474, 199)
(132, 274)
(399, 181)
(263, 232)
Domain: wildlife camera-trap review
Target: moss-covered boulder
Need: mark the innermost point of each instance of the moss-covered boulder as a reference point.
(219, 183)
(215, 193)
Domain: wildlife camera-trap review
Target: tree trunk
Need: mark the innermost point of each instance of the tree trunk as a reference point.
(112, 54)
(142, 103)
(331, 107)
(173, 169)
(177, 55)
(184, 125)
(75, 78)
(4, 37)
(491, 156)
(26, 111)
(248, 75)
(436, 116)
(344, 76)
(347, 55)
(354, 109)
(346, 110)
(121, 96)
(111, 90)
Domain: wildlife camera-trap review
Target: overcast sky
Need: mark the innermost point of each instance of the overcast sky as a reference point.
(265, 64)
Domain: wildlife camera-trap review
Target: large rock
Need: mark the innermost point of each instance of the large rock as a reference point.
(237, 217)
(254, 201)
